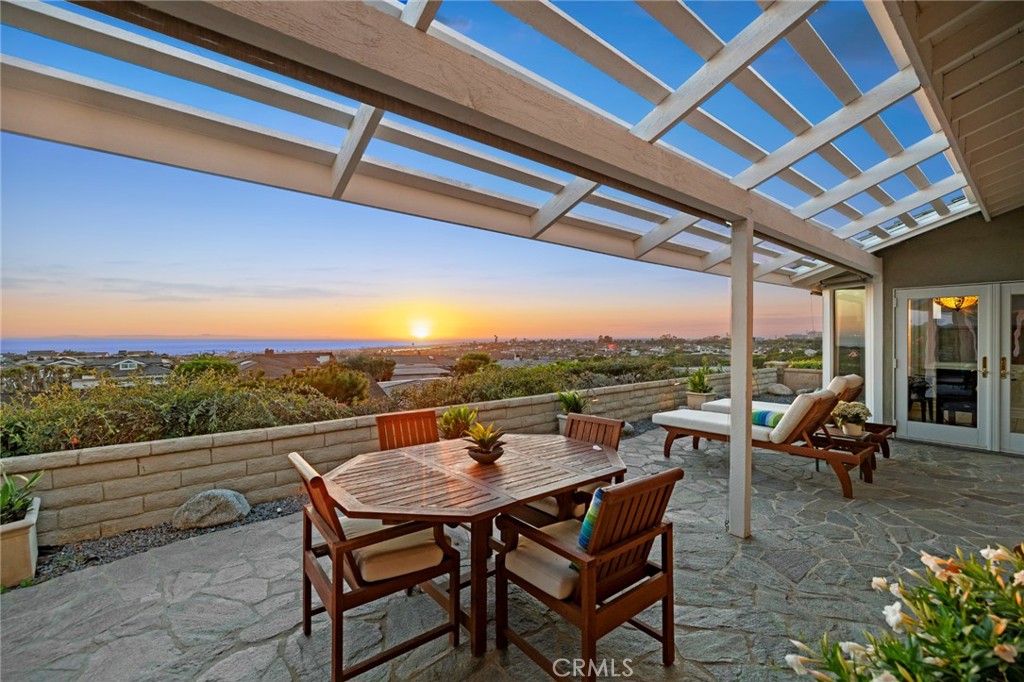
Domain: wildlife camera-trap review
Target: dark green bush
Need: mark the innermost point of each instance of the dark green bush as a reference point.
(380, 368)
(805, 364)
(470, 363)
(334, 381)
(206, 363)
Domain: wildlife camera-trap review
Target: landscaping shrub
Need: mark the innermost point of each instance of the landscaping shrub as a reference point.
(62, 418)
(381, 369)
(334, 381)
(470, 363)
(805, 364)
(206, 363)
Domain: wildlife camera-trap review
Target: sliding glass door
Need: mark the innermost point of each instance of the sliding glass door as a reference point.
(1011, 367)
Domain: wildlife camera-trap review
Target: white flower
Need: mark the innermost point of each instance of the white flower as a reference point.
(895, 590)
(1007, 652)
(997, 554)
(796, 662)
(884, 677)
(937, 662)
(932, 562)
(1018, 578)
(879, 584)
(856, 652)
(894, 616)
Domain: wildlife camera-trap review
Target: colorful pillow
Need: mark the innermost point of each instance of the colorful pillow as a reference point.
(587, 527)
(766, 418)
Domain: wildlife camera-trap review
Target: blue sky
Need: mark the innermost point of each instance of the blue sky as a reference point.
(96, 244)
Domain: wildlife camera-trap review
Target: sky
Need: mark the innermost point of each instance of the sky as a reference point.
(98, 245)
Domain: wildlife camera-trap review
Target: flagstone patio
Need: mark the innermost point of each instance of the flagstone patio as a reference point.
(225, 606)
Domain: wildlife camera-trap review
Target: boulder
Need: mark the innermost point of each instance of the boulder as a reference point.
(627, 429)
(801, 391)
(211, 508)
(779, 389)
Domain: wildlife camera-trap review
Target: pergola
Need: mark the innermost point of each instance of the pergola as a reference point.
(959, 62)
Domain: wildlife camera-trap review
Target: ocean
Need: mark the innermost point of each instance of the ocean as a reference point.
(186, 346)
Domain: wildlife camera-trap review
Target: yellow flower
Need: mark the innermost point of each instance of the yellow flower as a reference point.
(1007, 652)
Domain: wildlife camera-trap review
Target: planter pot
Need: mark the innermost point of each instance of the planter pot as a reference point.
(19, 548)
(853, 429)
(695, 400)
(561, 424)
(486, 457)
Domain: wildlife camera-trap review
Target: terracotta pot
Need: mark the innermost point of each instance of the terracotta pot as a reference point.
(19, 548)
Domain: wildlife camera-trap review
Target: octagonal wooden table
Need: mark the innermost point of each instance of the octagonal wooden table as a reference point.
(439, 482)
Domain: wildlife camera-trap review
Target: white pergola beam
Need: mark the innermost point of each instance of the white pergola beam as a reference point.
(920, 198)
(884, 95)
(741, 293)
(662, 233)
(751, 43)
(925, 149)
(560, 204)
(548, 19)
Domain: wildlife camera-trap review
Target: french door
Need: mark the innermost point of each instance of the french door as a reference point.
(960, 365)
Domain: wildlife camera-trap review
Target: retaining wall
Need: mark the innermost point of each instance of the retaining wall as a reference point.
(798, 379)
(107, 490)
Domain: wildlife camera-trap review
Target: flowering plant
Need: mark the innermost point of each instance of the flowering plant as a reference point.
(850, 413)
(963, 621)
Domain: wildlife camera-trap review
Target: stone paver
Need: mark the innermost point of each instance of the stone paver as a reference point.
(225, 606)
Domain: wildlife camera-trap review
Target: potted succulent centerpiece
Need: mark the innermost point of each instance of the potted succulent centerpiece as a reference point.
(456, 422)
(18, 514)
(851, 417)
(486, 443)
(572, 402)
(699, 389)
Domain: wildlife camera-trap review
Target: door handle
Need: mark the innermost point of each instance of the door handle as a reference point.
(984, 367)
(1002, 368)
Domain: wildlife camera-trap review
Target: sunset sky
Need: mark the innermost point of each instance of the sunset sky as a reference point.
(97, 245)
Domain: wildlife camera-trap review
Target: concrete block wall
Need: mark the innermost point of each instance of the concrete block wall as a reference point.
(108, 490)
(798, 379)
(763, 378)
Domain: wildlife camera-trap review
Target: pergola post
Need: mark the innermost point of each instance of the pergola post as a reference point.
(741, 375)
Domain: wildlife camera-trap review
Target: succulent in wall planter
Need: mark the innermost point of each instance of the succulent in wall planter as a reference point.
(19, 512)
(698, 389)
(486, 443)
(456, 422)
(572, 402)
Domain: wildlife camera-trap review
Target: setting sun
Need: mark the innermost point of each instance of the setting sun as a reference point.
(420, 330)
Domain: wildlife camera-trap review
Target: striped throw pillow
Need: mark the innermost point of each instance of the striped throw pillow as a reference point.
(766, 418)
(587, 527)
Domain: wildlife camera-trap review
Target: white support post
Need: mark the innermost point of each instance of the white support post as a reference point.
(828, 336)
(874, 378)
(741, 376)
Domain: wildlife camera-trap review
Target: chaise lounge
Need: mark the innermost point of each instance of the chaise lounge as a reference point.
(793, 435)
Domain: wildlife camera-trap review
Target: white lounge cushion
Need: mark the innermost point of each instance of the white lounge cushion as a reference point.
(854, 380)
(543, 568)
(710, 422)
(391, 558)
(724, 406)
(795, 414)
(837, 385)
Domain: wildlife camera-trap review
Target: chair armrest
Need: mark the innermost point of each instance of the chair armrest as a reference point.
(537, 535)
(388, 533)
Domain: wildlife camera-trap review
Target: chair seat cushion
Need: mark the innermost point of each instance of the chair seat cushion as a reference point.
(394, 557)
(709, 422)
(549, 505)
(543, 568)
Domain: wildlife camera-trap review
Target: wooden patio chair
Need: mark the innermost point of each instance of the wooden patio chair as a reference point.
(614, 582)
(793, 435)
(402, 429)
(596, 430)
(373, 560)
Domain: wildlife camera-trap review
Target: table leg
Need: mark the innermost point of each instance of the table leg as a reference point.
(479, 552)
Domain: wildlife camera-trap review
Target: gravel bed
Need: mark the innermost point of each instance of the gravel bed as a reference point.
(58, 560)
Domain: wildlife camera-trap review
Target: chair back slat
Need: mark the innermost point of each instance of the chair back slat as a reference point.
(318, 495)
(597, 430)
(628, 509)
(404, 429)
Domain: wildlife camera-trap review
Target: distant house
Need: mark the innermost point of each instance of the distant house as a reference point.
(124, 370)
(41, 355)
(278, 365)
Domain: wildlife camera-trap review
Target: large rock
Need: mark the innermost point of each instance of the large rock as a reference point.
(211, 508)
(779, 389)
